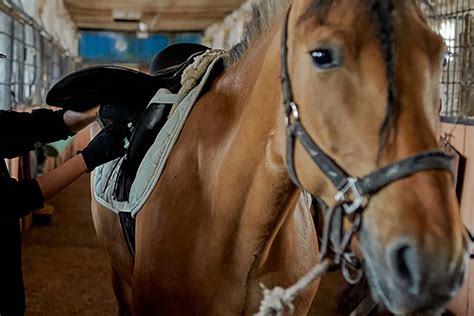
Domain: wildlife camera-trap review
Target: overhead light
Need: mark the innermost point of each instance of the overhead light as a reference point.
(142, 32)
(142, 27)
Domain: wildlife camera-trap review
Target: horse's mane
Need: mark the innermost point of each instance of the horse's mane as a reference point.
(264, 12)
(383, 11)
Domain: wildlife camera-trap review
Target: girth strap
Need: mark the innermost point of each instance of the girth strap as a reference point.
(128, 227)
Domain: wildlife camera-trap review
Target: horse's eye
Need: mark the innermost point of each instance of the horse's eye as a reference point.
(325, 58)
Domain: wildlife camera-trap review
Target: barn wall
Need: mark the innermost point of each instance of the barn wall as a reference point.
(462, 138)
(41, 43)
(55, 19)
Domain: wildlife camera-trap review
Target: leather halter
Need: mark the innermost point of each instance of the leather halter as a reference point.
(352, 193)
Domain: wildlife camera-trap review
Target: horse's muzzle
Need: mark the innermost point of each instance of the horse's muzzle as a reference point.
(406, 280)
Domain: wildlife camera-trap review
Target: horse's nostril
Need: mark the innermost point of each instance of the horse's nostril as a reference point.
(406, 266)
(401, 264)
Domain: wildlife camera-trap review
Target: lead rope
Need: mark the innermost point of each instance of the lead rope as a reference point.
(277, 300)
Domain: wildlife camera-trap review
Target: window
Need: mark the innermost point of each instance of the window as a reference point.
(34, 62)
(5, 64)
(455, 23)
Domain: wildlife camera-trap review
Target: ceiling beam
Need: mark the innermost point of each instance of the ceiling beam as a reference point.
(160, 15)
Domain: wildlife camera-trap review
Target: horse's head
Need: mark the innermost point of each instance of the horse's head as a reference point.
(365, 77)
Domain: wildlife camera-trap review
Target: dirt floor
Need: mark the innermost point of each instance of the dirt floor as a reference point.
(67, 273)
(65, 270)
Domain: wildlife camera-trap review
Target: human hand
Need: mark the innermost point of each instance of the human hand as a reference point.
(108, 145)
(119, 113)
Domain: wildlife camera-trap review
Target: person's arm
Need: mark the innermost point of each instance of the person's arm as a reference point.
(19, 131)
(19, 198)
(56, 180)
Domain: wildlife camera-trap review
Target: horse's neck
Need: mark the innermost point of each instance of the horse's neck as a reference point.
(251, 183)
(225, 197)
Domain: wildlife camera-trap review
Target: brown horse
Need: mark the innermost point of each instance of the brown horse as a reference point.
(225, 215)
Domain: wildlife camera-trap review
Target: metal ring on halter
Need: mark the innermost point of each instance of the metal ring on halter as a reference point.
(350, 194)
(292, 114)
(348, 266)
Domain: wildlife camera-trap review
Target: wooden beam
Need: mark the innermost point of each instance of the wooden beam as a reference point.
(163, 15)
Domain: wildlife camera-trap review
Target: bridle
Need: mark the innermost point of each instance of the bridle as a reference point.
(353, 193)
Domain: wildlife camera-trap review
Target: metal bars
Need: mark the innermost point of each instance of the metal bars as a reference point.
(454, 20)
(34, 61)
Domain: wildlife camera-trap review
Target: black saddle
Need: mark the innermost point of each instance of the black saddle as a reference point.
(124, 92)
(154, 116)
(124, 95)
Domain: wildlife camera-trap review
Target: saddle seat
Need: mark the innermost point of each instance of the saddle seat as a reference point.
(123, 93)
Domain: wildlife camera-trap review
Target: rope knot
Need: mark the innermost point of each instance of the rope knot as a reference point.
(275, 302)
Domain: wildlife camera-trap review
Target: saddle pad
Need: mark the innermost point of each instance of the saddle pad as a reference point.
(154, 161)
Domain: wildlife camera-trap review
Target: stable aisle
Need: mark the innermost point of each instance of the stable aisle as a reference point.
(66, 271)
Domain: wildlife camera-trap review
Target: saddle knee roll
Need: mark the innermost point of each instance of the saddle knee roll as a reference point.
(144, 135)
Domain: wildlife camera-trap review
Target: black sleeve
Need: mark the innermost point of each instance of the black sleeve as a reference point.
(20, 131)
(19, 198)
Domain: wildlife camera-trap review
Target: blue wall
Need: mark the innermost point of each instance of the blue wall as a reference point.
(122, 47)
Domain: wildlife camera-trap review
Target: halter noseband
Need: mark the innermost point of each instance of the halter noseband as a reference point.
(352, 193)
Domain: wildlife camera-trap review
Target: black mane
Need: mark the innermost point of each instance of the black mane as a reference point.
(383, 11)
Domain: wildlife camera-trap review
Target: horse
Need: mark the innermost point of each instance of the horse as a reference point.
(229, 212)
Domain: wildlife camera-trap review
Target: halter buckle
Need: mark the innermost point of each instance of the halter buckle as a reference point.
(351, 196)
(292, 113)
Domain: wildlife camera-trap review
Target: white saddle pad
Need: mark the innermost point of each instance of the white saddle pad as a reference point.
(155, 159)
